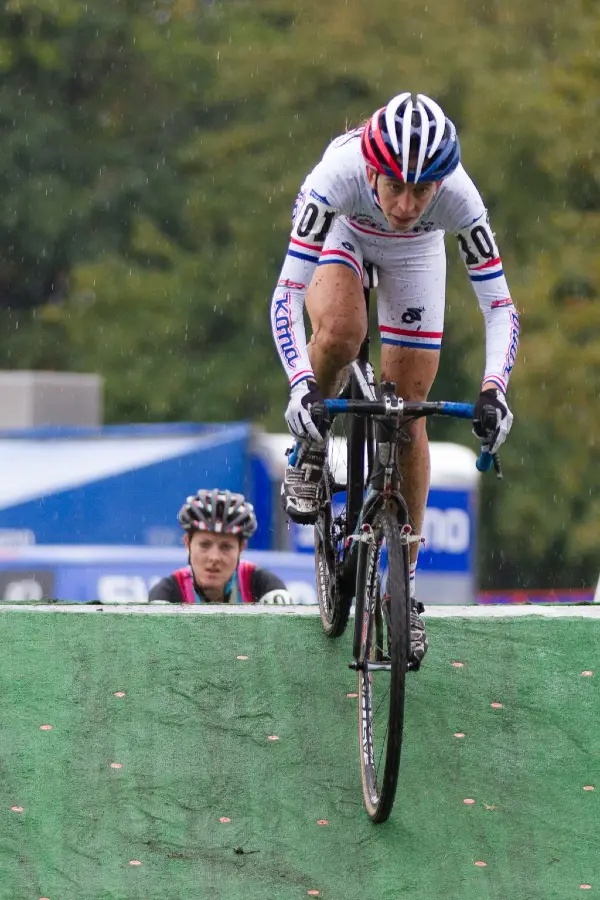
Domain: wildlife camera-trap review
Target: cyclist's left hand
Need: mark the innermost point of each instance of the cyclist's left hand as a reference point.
(278, 597)
(492, 419)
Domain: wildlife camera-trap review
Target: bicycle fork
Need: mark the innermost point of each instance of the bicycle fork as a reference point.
(365, 570)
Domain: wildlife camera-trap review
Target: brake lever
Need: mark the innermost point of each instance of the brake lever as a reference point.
(497, 466)
(487, 460)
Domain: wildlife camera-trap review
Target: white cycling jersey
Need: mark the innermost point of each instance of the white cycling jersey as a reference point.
(337, 219)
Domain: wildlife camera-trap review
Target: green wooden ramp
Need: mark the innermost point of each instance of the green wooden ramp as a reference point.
(190, 757)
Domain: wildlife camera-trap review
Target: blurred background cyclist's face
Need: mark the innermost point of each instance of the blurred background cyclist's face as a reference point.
(402, 204)
(214, 557)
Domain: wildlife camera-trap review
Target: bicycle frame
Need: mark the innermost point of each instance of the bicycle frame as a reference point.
(383, 417)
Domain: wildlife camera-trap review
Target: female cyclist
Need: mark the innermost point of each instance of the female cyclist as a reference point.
(384, 194)
(217, 526)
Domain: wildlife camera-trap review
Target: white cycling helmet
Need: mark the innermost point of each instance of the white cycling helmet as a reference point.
(413, 132)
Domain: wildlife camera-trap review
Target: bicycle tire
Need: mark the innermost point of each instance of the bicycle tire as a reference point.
(334, 591)
(335, 570)
(383, 637)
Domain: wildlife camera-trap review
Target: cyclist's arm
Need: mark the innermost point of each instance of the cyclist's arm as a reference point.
(480, 254)
(314, 212)
(269, 589)
(165, 591)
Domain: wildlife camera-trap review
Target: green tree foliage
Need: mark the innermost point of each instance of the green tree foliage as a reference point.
(151, 155)
(92, 115)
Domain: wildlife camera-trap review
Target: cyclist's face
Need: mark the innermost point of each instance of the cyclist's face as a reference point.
(214, 557)
(402, 204)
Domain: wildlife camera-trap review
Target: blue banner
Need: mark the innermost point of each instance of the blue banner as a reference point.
(448, 532)
(121, 574)
(117, 485)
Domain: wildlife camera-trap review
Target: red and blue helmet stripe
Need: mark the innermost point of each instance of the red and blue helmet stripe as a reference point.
(411, 140)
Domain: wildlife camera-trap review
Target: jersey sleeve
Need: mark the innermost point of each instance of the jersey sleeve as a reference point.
(316, 207)
(477, 246)
(263, 582)
(165, 591)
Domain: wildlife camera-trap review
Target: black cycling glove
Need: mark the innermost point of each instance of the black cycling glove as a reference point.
(492, 419)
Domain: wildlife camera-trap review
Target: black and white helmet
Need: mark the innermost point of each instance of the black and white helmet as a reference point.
(221, 512)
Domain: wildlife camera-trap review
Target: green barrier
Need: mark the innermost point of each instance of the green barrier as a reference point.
(192, 757)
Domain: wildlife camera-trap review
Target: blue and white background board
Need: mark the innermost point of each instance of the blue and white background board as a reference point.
(76, 490)
(113, 485)
(121, 574)
(447, 559)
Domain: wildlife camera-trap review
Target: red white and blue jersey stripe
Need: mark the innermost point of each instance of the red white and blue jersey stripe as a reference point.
(404, 337)
(341, 257)
(486, 271)
(302, 250)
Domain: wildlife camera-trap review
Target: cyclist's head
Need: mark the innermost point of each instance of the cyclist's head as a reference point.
(220, 512)
(411, 140)
(217, 525)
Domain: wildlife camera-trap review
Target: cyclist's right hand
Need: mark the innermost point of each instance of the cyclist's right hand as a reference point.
(492, 420)
(298, 413)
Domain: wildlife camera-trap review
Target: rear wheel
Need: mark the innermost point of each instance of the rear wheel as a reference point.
(335, 585)
(343, 487)
(383, 636)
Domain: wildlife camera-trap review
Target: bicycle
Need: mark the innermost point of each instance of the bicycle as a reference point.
(362, 553)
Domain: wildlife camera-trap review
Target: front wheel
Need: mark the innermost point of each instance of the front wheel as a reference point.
(383, 643)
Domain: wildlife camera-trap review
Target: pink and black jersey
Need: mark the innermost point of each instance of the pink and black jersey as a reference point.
(248, 585)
